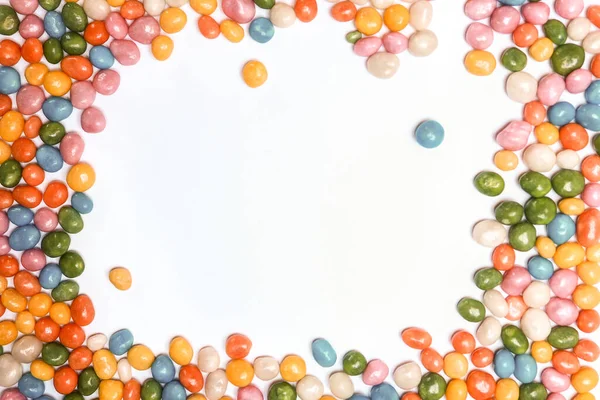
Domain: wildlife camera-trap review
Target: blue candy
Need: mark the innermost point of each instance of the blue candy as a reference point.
(540, 268)
(50, 276)
(24, 238)
(525, 368)
(173, 391)
(120, 342)
(561, 113)
(20, 215)
(54, 25)
(561, 229)
(261, 29)
(323, 353)
(57, 108)
(163, 369)
(592, 93)
(429, 134)
(588, 116)
(384, 391)
(31, 386)
(49, 158)
(10, 80)
(101, 57)
(504, 363)
(358, 396)
(82, 203)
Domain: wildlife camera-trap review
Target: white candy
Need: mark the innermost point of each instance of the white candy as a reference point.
(154, 7)
(537, 294)
(568, 159)
(489, 331)
(382, 4)
(578, 28)
(496, 303)
(208, 359)
(282, 15)
(421, 14)
(521, 87)
(407, 376)
(177, 3)
(535, 324)
(96, 9)
(310, 388)
(539, 157)
(383, 65)
(124, 370)
(266, 368)
(422, 43)
(591, 43)
(10, 370)
(489, 233)
(96, 341)
(357, 2)
(216, 385)
(341, 385)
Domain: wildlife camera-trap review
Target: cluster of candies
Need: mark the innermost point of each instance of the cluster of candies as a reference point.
(369, 21)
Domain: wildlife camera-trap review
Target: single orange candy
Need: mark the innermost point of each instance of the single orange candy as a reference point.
(132, 9)
(481, 385)
(565, 362)
(46, 330)
(6, 199)
(516, 307)
(80, 358)
(82, 310)
(503, 257)
(132, 389)
(595, 66)
(534, 112)
(416, 338)
(411, 396)
(26, 283)
(5, 104)
(9, 265)
(306, 10)
(482, 357)
(238, 346)
(432, 360)
(587, 350)
(573, 136)
(10, 53)
(27, 196)
(343, 11)
(588, 321)
(209, 28)
(33, 174)
(77, 67)
(56, 194)
(191, 378)
(95, 33)
(525, 35)
(593, 14)
(65, 380)
(32, 127)
(463, 342)
(23, 150)
(72, 336)
(32, 50)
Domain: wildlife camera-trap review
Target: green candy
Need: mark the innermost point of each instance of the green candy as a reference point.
(73, 43)
(56, 243)
(535, 184)
(522, 236)
(265, 4)
(568, 183)
(563, 337)
(49, 5)
(596, 143)
(65, 291)
(53, 50)
(88, 381)
(540, 211)
(9, 21)
(354, 363)
(10, 173)
(432, 386)
(74, 17)
(509, 212)
(514, 59)
(488, 278)
(52, 133)
(75, 395)
(71, 264)
(532, 391)
(151, 390)
(514, 339)
(54, 354)
(281, 391)
(70, 219)
(1, 350)
(567, 58)
(353, 37)
(555, 31)
(470, 309)
(489, 183)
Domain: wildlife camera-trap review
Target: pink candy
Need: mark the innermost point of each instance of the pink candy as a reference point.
(562, 311)
(241, 11)
(479, 36)
(514, 136)
(24, 7)
(375, 373)
(515, 281)
(116, 25)
(31, 27)
(367, 46)
(479, 9)
(536, 13)
(505, 19)
(4, 246)
(107, 81)
(563, 282)
(554, 380)
(125, 51)
(71, 148)
(568, 9)
(250, 392)
(550, 88)
(395, 42)
(92, 120)
(83, 94)
(579, 80)
(30, 99)
(4, 222)
(12, 394)
(591, 194)
(45, 220)
(144, 29)
(33, 259)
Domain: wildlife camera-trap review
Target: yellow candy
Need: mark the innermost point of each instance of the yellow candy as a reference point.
(327, 397)
(39, 304)
(13, 300)
(5, 153)
(204, 7)
(232, 31)
(105, 364)
(541, 351)
(8, 332)
(254, 74)
(396, 17)
(507, 389)
(593, 253)
(569, 255)
(545, 247)
(571, 206)
(110, 390)
(584, 396)
(172, 20)
(57, 83)
(41, 370)
(506, 160)
(546, 133)
(585, 380)
(456, 390)
(115, 3)
(196, 396)
(292, 368)
(121, 279)
(162, 47)
(480, 62)
(541, 49)
(239, 372)
(586, 297)
(455, 365)
(60, 313)
(25, 322)
(35, 74)
(81, 177)
(368, 21)
(180, 351)
(589, 272)
(140, 357)
(11, 125)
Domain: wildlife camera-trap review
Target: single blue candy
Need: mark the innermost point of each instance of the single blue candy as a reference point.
(54, 25)
(592, 93)
(384, 391)
(120, 342)
(30, 386)
(20, 215)
(323, 353)
(57, 108)
(173, 391)
(525, 368)
(82, 203)
(24, 238)
(49, 158)
(163, 369)
(50, 276)
(540, 268)
(430, 134)
(561, 113)
(101, 57)
(261, 29)
(588, 116)
(504, 363)
(10, 80)
(561, 229)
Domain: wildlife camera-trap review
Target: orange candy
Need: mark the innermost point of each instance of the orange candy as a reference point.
(27, 196)
(132, 390)
(46, 330)
(32, 50)
(33, 174)
(82, 310)
(5, 104)
(587, 350)
(534, 112)
(306, 10)
(10, 53)
(481, 385)
(132, 9)
(590, 167)
(23, 150)
(72, 336)
(9, 265)
(238, 346)
(32, 127)
(343, 11)
(416, 338)
(525, 35)
(56, 194)
(432, 360)
(588, 321)
(593, 14)
(191, 378)
(65, 380)
(95, 33)
(595, 66)
(6, 199)
(411, 396)
(13, 300)
(209, 28)
(26, 283)
(77, 67)
(463, 342)
(503, 257)
(565, 362)
(482, 357)
(80, 358)
(573, 136)
(516, 307)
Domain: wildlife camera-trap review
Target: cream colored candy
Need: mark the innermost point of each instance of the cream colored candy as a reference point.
(578, 28)
(496, 303)
(208, 359)
(539, 157)
(358, 2)
(383, 65)
(96, 341)
(26, 349)
(537, 294)
(421, 14)
(489, 233)
(591, 43)
(177, 3)
(266, 368)
(382, 4)
(568, 159)
(422, 43)
(216, 385)
(407, 376)
(341, 385)
(154, 7)
(310, 388)
(96, 9)
(10, 370)
(489, 331)
(535, 324)
(521, 87)
(124, 370)
(282, 15)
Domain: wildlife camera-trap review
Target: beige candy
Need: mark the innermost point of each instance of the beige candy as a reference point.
(421, 14)
(26, 349)
(341, 385)
(521, 87)
(496, 303)
(124, 370)
(96, 9)
(407, 376)
(383, 65)
(489, 233)
(282, 15)
(266, 368)
(216, 385)
(489, 331)
(96, 342)
(10, 370)
(310, 388)
(422, 43)
(208, 359)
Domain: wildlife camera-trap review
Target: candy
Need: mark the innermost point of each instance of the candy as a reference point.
(383, 65)
(429, 134)
(121, 278)
(310, 388)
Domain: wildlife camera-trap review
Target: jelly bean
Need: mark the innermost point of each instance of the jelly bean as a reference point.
(407, 376)
(344, 11)
(550, 89)
(525, 35)
(282, 15)
(93, 120)
(421, 14)
(367, 46)
(251, 392)
(530, 391)
(567, 58)
(254, 73)
(588, 321)
(480, 62)
(514, 136)
(506, 160)
(429, 134)
(125, 51)
(396, 17)
(384, 391)
(383, 65)
(281, 391)
(241, 11)
(589, 272)
(309, 388)
(504, 363)
(239, 372)
(163, 369)
(120, 342)
(216, 384)
(536, 13)
(422, 43)
(515, 60)
(587, 350)
(267, 368)
(479, 9)
(293, 368)
(208, 359)
(488, 331)
(562, 311)
(563, 283)
(578, 81)
(191, 378)
(144, 30)
(151, 390)
(432, 386)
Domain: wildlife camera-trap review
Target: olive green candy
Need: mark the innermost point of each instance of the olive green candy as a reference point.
(353, 37)
(9, 21)
(514, 59)
(49, 5)
(555, 31)
(70, 219)
(567, 58)
(56, 243)
(73, 43)
(354, 363)
(88, 382)
(53, 50)
(52, 133)
(522, 236)
(514, 339)
(470, 309)
(563, 337)
(568, 183)
(535, 184)
(65, 291)
(71, 264)
(54, 354)
(432, 386)
(1, 350)
(265, 4)
(509, 212)
(489, 183)
(532, 391)
(74, 17)
(10, 173)
(540, 211)
(151, 390)
(282, 391)
(596, 143)
(488, 278)
(74, 395)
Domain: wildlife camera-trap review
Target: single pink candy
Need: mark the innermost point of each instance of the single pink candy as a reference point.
(107, 81)
(479, 36)
(554, 380)
(125, 51)
(515, 281)
(505, 19)
(555, 396)
(24, 7)
(536, 13)
(579, 80)
(116, 26)
(71, 148)
(568, 9)
(514, 136)
(479, 9)
(550, 88)
(4, 246)
(562, 311)
(563, 282)
(591, 194)
(241, 11)
(45, 219)
(12, 394)
(83, 94)
(32, 26)
(250, 392)
(144, 29)
(92, 120)
(375, 373)
(395, 42)
(4, 222)
(367, 46)
(30, 99)
(33, 259)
